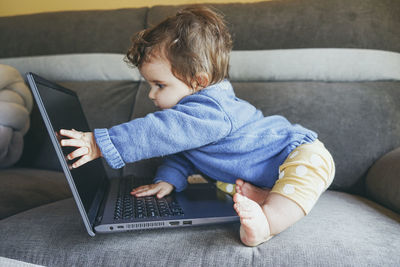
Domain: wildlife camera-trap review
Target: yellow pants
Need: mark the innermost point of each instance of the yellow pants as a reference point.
(305, 174)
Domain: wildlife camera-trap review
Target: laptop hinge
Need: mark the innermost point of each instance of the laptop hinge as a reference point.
(95, 211)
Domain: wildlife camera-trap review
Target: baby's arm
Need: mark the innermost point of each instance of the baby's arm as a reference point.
(161, 189)
(86, 144)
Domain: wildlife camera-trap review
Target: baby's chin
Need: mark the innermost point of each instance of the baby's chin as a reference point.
(161, 107)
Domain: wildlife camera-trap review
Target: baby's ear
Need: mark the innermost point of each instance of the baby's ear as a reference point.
(202, 80)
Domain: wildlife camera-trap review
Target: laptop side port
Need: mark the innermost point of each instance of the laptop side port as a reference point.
(174, 223)
(187, 222)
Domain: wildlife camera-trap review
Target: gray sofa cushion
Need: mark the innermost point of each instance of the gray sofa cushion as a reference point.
(383, 180)
(76, 67)
(104, 103)
(317, 64)
(284, 24)
(23, 189)
(70, 32)
(341, 230)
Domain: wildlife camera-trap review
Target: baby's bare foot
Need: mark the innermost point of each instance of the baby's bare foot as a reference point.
(252, 192)
(254, 228)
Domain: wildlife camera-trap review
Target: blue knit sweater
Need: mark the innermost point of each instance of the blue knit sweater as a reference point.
(211, 131)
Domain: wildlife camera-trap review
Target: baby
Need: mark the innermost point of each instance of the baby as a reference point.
(279, 169)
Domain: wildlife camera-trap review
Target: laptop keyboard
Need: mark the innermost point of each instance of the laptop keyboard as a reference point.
(129, 207)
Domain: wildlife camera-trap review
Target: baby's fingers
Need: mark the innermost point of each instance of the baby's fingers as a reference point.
(78, 153)
(163, 192)
(71, 133)
(83, 160)
(72, 142)
(139, 189)
(147, 192)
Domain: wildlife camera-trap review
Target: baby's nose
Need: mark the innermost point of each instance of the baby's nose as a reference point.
(152, 94)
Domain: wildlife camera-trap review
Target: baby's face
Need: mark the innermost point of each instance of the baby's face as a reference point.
(166, 90)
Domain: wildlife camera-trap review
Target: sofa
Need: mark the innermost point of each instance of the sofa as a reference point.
(332, 66)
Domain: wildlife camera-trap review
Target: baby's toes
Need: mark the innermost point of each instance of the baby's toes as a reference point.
(245, 207)
(238, 189)
(239, 182)
(244, 201)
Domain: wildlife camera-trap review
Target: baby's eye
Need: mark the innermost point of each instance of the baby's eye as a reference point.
(159, 85)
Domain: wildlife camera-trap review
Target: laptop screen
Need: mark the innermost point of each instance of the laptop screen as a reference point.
(64, 111)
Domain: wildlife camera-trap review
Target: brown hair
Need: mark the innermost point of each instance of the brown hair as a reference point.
(195, 40)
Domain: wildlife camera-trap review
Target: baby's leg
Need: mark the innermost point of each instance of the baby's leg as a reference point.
(260, 223)
(304, 176)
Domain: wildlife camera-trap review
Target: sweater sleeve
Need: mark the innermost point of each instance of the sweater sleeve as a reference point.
(175, 170)
(197, 120)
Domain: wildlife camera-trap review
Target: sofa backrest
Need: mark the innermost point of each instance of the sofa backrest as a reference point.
(68, 32)
(358, 120)
(285, 24)
(280, 24)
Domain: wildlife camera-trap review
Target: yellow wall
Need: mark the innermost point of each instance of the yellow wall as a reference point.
(18, 7)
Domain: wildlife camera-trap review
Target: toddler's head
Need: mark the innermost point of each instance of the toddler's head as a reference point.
(196, 43)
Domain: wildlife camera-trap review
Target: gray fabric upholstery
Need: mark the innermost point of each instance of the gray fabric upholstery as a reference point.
(14, 263)
(76, 67)
(104, 103)
(143, 104)
(318, 64)
(23, 189)
(383, 180)
(372, 24)
(349, 118)
(69, 32)
(328, 236)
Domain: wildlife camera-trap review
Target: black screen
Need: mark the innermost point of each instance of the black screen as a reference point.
(64, 112)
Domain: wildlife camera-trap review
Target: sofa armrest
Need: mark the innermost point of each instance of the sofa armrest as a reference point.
(383, 180)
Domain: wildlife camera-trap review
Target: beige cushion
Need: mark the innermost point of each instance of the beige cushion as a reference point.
(15, 106)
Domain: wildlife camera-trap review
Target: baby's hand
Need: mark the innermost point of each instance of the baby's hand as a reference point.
(161, 189)
(86, 144)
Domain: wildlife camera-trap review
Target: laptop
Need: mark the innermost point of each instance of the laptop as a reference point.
(106, 205)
